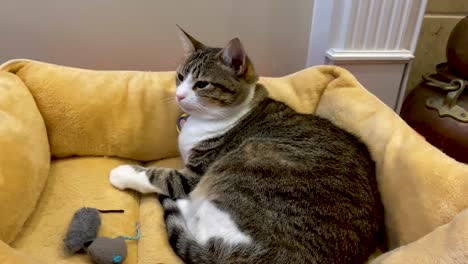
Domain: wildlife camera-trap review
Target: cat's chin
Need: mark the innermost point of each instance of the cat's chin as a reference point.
(211, 113)
(195, 111)
(192, 111)
(201, 116)
(186, 107)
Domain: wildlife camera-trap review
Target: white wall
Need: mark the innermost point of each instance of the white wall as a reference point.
(141, 35)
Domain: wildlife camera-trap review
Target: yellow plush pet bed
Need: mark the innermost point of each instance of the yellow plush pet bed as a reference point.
(63, 129)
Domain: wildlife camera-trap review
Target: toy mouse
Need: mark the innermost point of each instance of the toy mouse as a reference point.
(104, 250)
(82, 232)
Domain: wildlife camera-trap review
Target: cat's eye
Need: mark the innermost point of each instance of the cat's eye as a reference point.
(180, 77)
(201, 84)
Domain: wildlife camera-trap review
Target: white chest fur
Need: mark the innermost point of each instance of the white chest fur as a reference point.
(196, 130)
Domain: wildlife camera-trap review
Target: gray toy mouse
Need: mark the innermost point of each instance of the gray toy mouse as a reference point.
(104, 250)
(82, 232)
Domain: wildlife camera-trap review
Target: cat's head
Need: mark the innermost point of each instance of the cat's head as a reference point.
(214, 83)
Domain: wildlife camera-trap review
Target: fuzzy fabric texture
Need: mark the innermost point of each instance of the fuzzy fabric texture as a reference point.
(24, 155)
(9, 255)
(75, 183)
(132, 115)
(447, 244)
(104, 113)
(83, 228)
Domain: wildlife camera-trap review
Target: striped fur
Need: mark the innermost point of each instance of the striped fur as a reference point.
(289, 187)
(190, 251)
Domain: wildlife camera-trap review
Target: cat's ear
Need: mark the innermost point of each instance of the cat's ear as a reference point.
(234, 56)
(189, 43)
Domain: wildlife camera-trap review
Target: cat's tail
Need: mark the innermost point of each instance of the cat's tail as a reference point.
(215, 251)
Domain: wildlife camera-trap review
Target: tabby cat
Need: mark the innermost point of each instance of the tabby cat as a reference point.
(262, 183)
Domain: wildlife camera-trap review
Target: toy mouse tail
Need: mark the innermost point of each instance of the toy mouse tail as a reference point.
(138, 234)
(111, 211)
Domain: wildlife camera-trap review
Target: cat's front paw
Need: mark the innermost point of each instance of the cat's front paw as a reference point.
(131, 177)
(122, 176)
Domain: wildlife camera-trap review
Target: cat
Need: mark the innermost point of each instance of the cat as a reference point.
(261, 182)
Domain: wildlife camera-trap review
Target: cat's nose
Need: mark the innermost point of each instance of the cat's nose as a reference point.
(180, 97)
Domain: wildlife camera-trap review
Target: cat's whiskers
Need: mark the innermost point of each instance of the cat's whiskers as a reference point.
(167, 100)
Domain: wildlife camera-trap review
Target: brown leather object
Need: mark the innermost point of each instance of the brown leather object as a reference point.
(445, 133)
(457, 49)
